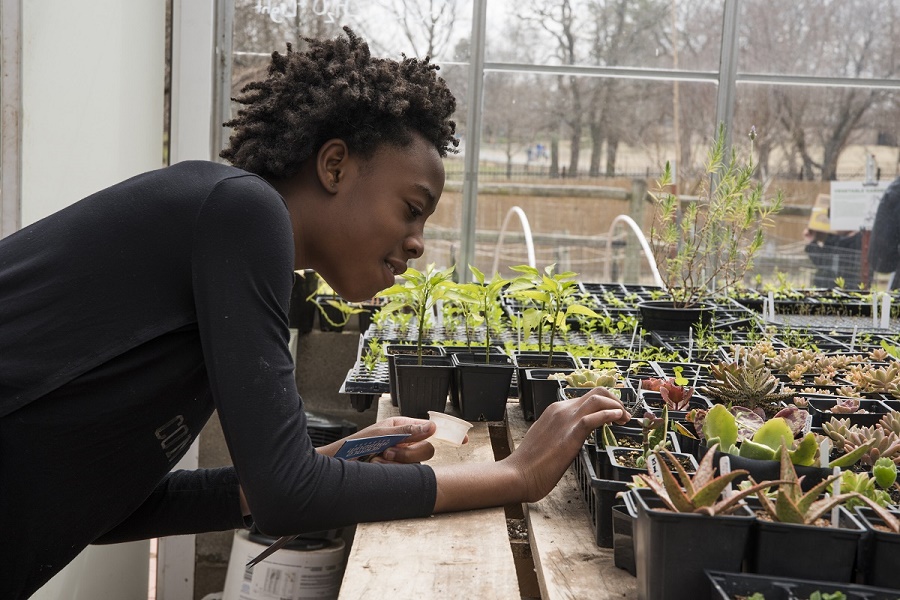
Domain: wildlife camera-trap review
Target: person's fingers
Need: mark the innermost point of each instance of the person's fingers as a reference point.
(407, 453)
(598, 398)
(418, 429)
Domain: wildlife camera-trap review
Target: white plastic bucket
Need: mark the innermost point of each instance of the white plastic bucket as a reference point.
(286, 574)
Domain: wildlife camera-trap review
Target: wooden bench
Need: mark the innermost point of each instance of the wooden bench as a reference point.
(469, 554)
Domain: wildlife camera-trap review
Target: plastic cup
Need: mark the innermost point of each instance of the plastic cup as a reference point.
(450, 430)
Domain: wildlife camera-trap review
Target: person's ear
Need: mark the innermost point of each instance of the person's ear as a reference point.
(331, 163)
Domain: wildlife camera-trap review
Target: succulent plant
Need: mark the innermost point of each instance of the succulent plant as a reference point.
(792, 504)
(702, 493)
(864, 485)
(584, 378)
(871, 442)
(891, 422)
(745, 385)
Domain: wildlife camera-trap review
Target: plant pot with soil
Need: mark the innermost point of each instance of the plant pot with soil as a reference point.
(537, 360)
(483, 383)
(685, 525)
(422, 384)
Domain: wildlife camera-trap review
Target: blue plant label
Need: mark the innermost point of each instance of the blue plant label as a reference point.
(365, 448)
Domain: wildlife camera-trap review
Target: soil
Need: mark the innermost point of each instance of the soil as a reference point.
(516, 529)
(629, 459)
(820, 522)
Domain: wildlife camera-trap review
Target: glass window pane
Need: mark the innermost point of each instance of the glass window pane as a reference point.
(845, 38)
(436, 28)
(570, 170)
(607, 33)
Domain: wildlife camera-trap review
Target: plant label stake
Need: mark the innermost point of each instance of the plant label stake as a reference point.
(853, 338)
(725, 469)
(835, 490)
(824, 452)
(874, 309)
(631, 345)
(885, 310)
(359, 349)
(654, 467)
(690, 343)
(771, 306)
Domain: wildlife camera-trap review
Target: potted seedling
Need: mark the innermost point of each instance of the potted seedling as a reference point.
(483, 377)
(803, 533)
(334, 311)
(881, 545)
(749, 384)
(627, 461)
(687, 523)
(707, 248)
(551, 296)
(421, 383)
(756, 445)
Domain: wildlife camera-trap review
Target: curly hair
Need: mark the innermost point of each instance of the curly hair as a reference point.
(336, 89)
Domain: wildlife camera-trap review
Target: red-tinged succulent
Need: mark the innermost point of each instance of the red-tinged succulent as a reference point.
(676, 397)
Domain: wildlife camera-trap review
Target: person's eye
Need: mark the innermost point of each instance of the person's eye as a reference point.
(414, 210)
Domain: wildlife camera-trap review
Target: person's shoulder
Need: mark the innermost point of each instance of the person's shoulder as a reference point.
(207, 168)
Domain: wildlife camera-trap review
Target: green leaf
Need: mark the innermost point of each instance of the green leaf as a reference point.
(773, 433)
(804, 453)
(751, 449)
(720, 424)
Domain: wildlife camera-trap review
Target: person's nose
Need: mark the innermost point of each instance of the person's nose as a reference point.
(415, 244)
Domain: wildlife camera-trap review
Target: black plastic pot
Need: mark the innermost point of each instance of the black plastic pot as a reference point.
(392, 350)
(600, 496)
(672, 550)
(727, 586)
(820, 407)
(770, 470)
(623, 519)
(457, 349)
(544, 390)
(537, 360)
(880, 551)
(661, 315)
(483, 385)
(331, 318)
(805, 551)
(621, 472)
(422, 387)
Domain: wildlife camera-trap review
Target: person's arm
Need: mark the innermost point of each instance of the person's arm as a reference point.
(536, 466)
(184, 502)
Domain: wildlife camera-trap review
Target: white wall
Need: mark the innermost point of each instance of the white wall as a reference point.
(92, 114)
(92, 97)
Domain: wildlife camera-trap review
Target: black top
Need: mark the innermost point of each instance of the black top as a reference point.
(884, 244)
(142, 308)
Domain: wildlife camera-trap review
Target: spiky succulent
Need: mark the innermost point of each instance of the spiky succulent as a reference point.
(792, 504)
(702, 493)
(743, 385)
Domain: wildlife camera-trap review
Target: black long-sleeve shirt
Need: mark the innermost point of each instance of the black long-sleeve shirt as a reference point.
(125, 320)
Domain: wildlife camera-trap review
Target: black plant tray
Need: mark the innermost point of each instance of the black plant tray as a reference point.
(725, 586)
(361, 381)
(600, 496)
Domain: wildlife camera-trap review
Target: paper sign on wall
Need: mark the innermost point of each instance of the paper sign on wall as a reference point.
(853, 204)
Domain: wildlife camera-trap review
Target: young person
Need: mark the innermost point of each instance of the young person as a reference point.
(129, 316)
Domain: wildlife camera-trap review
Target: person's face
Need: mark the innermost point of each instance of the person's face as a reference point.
(377, 212)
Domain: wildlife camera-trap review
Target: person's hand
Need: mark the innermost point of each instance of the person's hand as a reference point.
(555, 439)
(413, 450)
